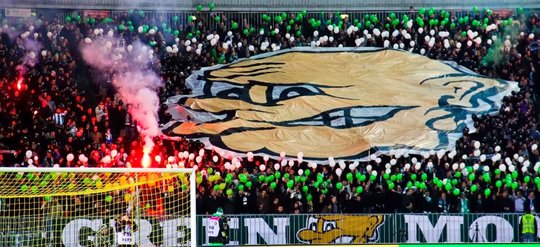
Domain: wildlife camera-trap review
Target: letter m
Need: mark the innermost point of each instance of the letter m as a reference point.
(433, 233)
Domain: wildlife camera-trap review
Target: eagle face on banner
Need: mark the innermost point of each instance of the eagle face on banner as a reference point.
(341, 103)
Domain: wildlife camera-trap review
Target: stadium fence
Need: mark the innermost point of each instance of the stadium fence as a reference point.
(369, 228)
(257, 5)
(288, 229)
(97, 207)
(255, 18)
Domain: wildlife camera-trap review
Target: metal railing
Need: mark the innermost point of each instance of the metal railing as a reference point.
(364, 4)
(100, 4)
(276, 5)
(253, 18)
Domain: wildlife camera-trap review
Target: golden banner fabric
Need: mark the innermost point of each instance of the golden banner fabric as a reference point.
(333, 102)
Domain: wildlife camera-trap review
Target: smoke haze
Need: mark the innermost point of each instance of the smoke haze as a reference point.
(135, 82)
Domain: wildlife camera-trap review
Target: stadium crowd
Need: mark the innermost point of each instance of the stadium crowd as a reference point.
(55, 112)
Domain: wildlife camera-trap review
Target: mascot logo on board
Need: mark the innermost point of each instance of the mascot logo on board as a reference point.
(334, 229)
(341, 103)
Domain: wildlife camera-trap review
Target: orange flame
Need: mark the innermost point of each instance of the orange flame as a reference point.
(19, 83)
(146, 160)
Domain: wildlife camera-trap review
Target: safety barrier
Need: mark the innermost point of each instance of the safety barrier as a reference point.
(365, 4)
(253, 18)
(257, 5)
(175, 17)
(284, 229)
(372, 228)
(100, 4)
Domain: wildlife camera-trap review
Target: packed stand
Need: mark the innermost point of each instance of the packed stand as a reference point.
(49, 106)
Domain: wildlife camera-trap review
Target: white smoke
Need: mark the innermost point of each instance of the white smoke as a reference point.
(28, 41)
(136, 83)
(32, 48)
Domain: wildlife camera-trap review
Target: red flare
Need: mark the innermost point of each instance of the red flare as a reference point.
(19, 83)
(145, 160)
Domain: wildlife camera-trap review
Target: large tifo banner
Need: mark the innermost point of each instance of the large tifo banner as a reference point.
(333, 102)
(281, 230)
